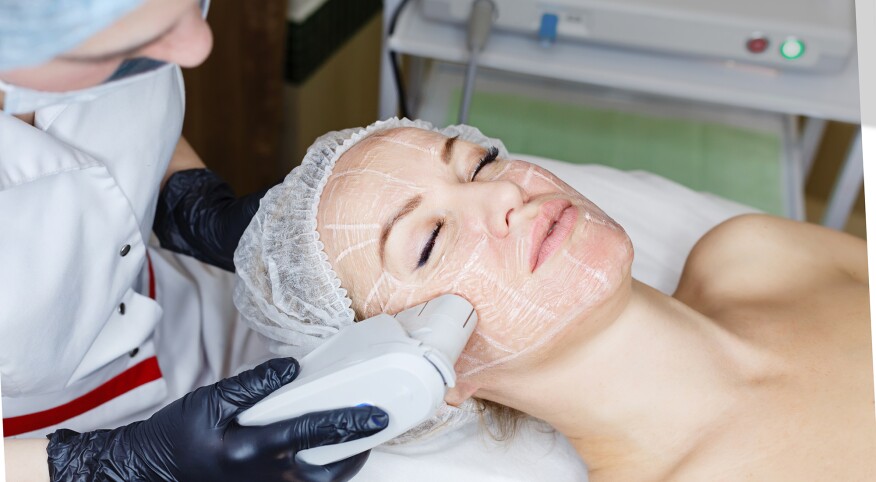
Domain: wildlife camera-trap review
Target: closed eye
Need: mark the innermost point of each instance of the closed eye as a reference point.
(427, 249)
(490, 156)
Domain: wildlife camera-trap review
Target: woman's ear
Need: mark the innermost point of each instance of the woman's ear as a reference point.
(460, 393)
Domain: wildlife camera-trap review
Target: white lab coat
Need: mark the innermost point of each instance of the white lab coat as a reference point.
(79, 333)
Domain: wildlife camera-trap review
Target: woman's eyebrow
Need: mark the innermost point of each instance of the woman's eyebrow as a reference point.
(119, 53)
(447, 153)
(387, 228)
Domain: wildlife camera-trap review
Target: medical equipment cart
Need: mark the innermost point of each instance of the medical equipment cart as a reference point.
(819, 96)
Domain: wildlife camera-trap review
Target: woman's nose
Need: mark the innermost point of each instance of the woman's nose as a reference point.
(497, 200)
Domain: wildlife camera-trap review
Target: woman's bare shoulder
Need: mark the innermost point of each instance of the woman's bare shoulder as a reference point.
(757, 256)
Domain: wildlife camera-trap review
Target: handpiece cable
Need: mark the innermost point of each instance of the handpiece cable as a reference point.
(480, 23)
(479, 27)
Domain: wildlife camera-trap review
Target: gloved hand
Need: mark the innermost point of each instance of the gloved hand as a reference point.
(197, 438)
(199, 215)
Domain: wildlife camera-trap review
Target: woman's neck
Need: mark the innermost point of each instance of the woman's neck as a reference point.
(643, 391)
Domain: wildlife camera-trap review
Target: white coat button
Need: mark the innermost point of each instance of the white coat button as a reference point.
(122, 309)
(134, 352)
(125, 249)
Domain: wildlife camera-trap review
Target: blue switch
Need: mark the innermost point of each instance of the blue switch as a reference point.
(547, 32)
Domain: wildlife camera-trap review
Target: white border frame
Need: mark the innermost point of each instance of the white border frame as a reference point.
(865, 14)
(865, 11)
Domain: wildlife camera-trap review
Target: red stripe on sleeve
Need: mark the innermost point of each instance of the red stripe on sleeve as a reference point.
(139, 374)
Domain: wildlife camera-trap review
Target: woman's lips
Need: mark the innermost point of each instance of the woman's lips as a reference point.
(555, 221)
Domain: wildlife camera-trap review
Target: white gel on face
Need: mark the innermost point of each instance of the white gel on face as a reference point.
(483, 248)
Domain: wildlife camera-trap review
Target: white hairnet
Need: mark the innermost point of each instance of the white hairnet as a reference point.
(35, 31)
(286, 288)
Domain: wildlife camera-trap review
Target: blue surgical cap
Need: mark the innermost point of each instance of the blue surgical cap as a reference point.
(35, 31)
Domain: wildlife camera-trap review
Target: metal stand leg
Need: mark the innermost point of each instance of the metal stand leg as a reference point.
(794, 186)
(813, 131)
(416, 69)
(388, 106)
(847, 187)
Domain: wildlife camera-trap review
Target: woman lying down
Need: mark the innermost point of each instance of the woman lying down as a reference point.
(759, 366)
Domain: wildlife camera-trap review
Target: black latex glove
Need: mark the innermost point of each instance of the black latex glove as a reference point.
(199, 215)
(197, 438)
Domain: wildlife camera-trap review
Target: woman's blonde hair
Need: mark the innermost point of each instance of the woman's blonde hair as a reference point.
(500, 421)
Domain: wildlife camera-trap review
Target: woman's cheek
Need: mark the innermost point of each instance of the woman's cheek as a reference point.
(534, 180)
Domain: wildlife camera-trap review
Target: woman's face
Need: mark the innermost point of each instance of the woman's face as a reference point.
(409, 214)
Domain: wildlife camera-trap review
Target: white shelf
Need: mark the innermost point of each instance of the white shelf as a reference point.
(832, 96)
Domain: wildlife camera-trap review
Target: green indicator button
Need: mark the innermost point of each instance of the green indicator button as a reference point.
(792, 49)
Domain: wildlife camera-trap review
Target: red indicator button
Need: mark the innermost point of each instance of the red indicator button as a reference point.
(757, 45)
